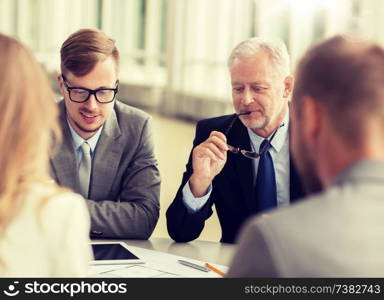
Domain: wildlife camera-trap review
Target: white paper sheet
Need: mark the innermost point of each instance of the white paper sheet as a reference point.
(157, 264)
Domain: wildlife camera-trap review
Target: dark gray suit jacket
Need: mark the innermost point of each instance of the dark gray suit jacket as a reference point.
(125, 182)
(338, 233)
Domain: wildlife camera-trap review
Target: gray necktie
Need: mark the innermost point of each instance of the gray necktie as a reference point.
(85, 169)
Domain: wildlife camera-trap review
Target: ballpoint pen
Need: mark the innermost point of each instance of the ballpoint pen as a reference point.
(192, 265)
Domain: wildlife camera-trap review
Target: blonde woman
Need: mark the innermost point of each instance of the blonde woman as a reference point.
(44, 229)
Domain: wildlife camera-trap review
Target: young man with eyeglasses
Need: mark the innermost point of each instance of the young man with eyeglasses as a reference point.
(240, 163)
(107, 151)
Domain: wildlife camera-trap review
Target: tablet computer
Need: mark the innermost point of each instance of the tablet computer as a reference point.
(113, 253)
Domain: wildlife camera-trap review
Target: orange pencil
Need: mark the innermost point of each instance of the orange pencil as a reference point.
(214, 269)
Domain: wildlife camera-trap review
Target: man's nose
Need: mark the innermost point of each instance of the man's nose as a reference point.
(91, 103)
(247, 97)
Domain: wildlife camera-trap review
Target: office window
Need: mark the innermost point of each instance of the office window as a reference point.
(139, 29)
(203, 37)
(44, 24)
(181, 46)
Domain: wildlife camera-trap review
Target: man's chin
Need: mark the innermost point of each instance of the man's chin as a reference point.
(255, 124)
(89, 128)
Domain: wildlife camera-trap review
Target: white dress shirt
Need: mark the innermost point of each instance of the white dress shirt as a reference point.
(280, 156)
(78, 141)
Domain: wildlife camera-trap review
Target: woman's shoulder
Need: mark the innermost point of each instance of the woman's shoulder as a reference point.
(48, 196)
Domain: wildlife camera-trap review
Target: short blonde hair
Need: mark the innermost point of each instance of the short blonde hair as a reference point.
(28, 125)
(83, 49)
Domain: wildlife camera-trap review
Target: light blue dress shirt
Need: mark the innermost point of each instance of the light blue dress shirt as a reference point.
(280, 156)
(78, 141)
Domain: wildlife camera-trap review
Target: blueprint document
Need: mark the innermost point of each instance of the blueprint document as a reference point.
(157, 264)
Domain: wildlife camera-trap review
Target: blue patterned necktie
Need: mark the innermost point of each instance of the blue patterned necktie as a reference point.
(266, 180)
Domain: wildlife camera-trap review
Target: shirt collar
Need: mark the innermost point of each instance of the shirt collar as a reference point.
(78, 140)
(279, 139)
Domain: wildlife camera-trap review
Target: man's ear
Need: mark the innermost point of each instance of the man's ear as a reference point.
(312, 119)
(60, 83)
(288, 86)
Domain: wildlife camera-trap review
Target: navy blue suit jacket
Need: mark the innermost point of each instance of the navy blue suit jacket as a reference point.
(233, 192)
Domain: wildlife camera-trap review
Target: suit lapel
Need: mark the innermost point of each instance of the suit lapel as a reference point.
(105, 163)
(243, 167)
(64, 160)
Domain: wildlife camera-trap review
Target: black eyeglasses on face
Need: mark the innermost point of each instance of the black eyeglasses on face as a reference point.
(80, 95)
(246, 153)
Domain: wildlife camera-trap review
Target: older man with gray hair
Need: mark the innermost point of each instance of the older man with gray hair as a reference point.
(240, 163)
(338, 144)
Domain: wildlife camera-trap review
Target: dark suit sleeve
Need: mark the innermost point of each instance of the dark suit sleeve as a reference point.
(182, 225)
(253, 257)
(135, 213)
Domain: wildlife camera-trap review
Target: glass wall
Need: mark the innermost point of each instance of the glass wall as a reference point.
(175, 51)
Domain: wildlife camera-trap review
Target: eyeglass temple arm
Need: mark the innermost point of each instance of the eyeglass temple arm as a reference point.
(230, 124)
(233, 149)
(273, 135)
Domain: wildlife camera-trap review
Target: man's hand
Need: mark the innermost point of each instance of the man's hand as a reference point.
(208, 159)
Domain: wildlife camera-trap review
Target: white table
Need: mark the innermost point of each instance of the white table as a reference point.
(213, 252)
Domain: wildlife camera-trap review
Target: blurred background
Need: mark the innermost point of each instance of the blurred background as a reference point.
(174, 52)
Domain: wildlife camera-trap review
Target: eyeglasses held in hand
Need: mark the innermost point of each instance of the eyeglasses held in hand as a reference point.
(81, 95)
(246, 153)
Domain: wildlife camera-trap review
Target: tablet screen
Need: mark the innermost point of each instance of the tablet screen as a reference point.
(111, 252)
